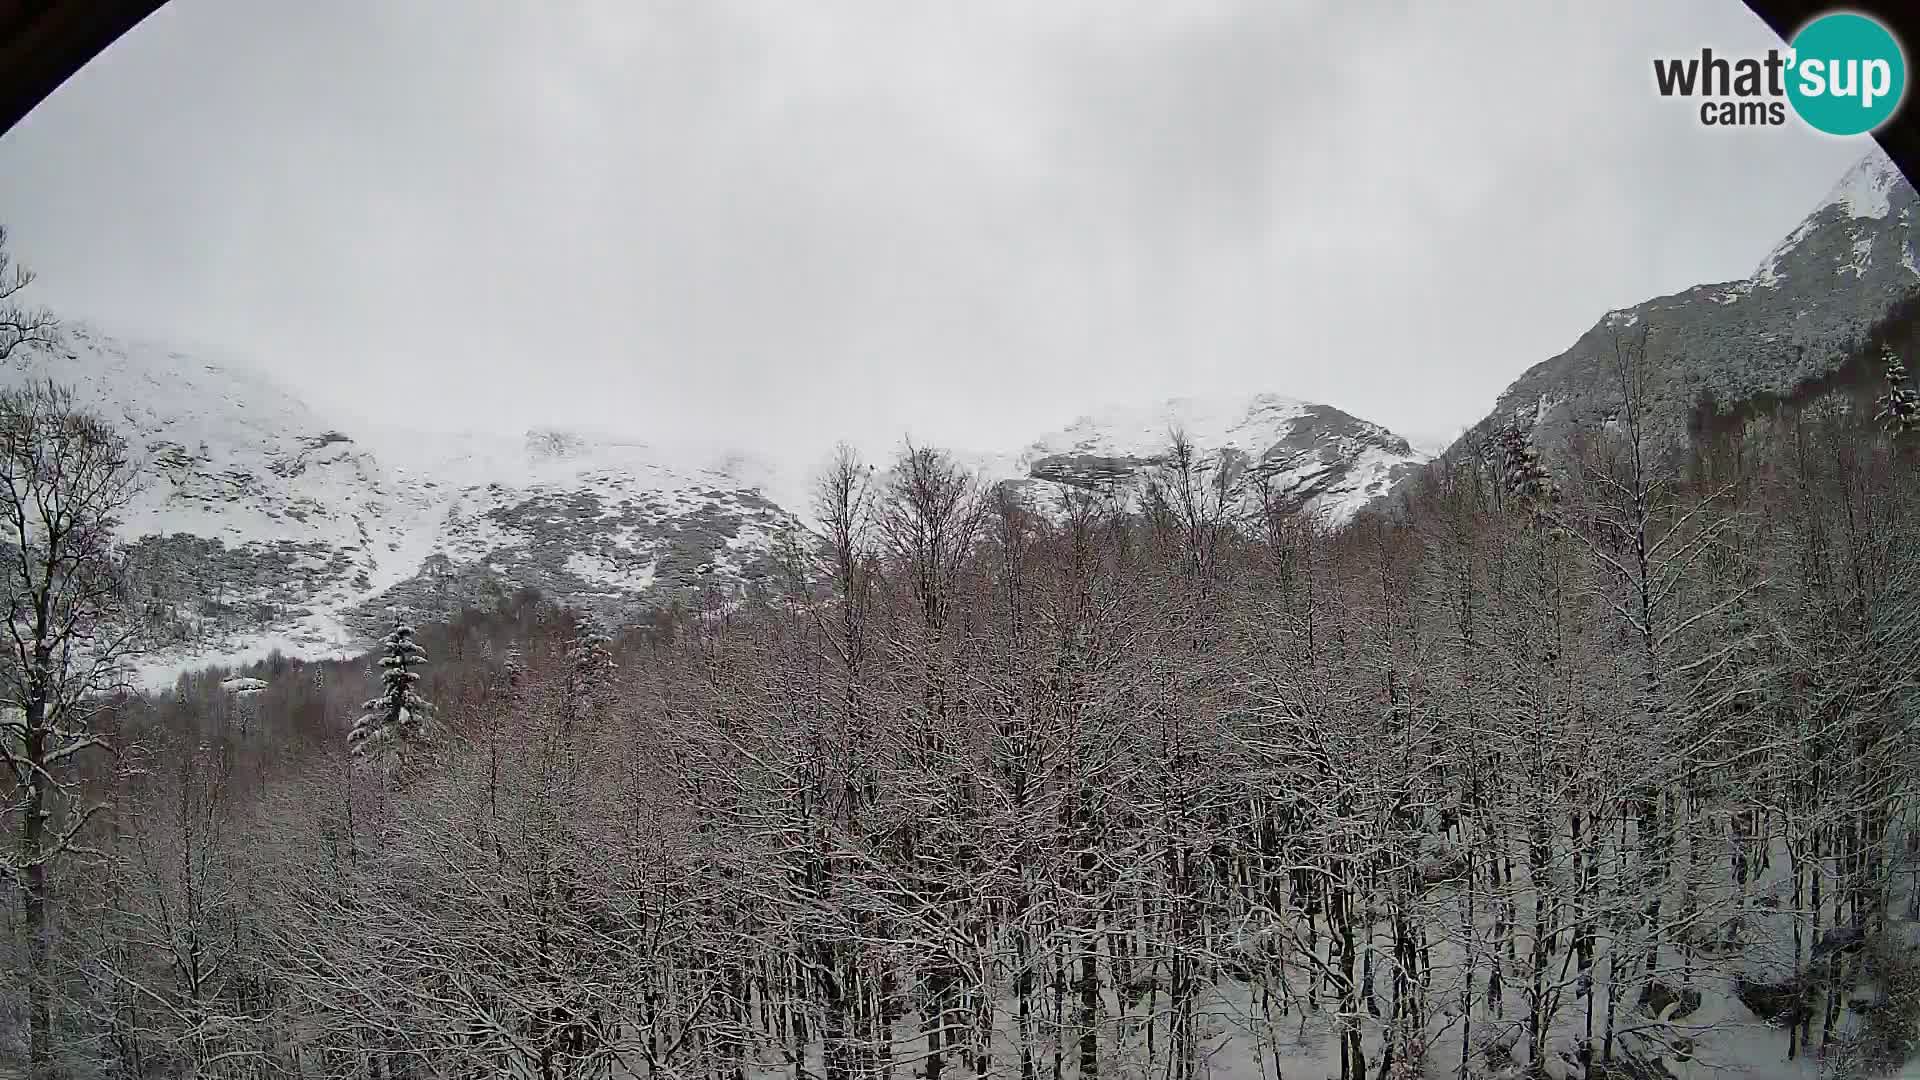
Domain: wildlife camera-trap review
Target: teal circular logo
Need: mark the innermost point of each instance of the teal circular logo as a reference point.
(1848, 74)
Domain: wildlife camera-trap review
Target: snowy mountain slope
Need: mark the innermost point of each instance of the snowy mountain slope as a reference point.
(1323, 461)
(588, 517)
(1713, 347)
(262, 525)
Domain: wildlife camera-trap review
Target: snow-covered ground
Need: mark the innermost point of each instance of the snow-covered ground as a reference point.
(1247, 1034)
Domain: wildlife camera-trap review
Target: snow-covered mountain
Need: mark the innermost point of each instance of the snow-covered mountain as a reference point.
(261, 525)
(1324, 462)
(1712, 348)
(264, 525)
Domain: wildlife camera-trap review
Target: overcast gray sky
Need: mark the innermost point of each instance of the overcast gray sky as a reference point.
(782, 223)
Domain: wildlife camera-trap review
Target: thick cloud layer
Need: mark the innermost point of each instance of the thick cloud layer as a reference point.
(782, 224)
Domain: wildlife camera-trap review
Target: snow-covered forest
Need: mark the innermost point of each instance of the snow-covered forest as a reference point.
(1585, 761)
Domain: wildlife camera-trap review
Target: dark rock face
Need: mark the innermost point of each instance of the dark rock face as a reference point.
(194, 589)
(1088, 470)
(1712, 347)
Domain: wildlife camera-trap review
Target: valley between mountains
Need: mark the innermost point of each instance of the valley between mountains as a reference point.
(265, 526)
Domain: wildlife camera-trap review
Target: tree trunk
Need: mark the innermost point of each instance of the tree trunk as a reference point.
(34, 901)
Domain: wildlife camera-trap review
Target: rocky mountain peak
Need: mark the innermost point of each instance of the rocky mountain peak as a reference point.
(1795, 320)
(1325, 461)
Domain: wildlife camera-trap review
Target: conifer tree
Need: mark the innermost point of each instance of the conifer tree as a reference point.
(1900, 405)
(590, 666)
(513, 669)
(1522, 473)
(398, 717)
(589, 653)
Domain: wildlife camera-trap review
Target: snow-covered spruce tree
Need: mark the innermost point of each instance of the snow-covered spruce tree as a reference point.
(397, 719)
(590, 667)
(1522, 473)
(514, 669)
(1900, 405)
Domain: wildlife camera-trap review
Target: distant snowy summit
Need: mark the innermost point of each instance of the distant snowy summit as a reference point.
(1778, 333)
(1315, 459)
(263, 525)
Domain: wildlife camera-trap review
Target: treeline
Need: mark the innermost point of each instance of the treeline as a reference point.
(1581, 770)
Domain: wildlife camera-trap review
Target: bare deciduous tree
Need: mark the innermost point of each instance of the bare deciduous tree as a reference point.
(64, 478)
(21, 327)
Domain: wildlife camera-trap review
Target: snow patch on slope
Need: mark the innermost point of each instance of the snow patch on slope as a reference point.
(1768, 275)
(1862, 253)
(634, 576)
(1863, 191)
(1373, 475)
(159, 671)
